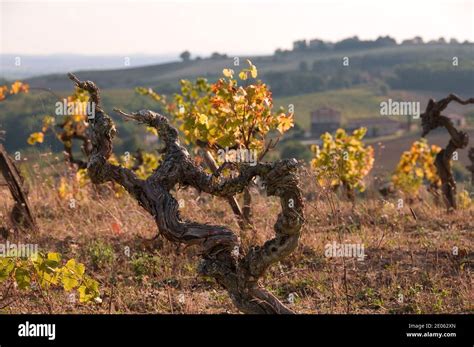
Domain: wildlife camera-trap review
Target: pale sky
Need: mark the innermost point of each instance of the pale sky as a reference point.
(227, 26)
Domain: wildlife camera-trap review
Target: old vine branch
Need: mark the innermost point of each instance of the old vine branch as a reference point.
(222, 257)
(432, 119)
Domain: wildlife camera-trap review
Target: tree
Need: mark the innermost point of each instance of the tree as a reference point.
(217, 55)
(185, 56)
(349, 43)
(382, 41)
(300, 45)
(223, 259)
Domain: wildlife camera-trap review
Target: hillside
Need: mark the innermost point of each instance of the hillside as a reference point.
(281, 71)
(305, 78)
(22, 115)
(361, 102)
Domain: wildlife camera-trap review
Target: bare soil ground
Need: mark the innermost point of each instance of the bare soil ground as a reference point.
(421, 265)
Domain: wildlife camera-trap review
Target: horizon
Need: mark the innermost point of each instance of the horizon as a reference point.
(207, 54)
(202, 27)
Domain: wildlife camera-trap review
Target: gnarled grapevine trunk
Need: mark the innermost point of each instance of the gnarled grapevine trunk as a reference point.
(22, 214)
(471, 167)
(432, 119)
(238, 273)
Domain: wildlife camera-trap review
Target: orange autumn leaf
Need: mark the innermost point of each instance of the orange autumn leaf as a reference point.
(18, 87)
(3, 91)
(116, 228)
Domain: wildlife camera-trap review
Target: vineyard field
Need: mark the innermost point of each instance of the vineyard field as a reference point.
(409, 266)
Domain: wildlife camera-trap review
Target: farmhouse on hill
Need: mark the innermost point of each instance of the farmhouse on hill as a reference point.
(326, 119)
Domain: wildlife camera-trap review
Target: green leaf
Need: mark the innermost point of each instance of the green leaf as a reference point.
(69, 282)
(78, 268)
(53, 260)
(72, 274)
(54, 256)
(46, 279)
(22, 277)
(89, 290)
(6, 267)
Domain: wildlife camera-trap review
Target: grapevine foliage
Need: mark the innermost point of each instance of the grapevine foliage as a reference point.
(342, 160)
(225, 113)
(44, 271)
(74, 123)
(74, 186)
(16, 87)
(464, 200)
(416, 166)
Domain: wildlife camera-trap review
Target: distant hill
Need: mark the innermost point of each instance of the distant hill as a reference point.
(420, 67)
(307, 77)
(360, 102)
(35, 65)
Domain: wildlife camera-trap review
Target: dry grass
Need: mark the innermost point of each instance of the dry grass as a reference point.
(409, 266)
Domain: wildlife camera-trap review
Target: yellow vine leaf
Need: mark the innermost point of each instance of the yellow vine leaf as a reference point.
(35, 138)
(152, 130)
(229, 73)
(284, 123)
(243, 75)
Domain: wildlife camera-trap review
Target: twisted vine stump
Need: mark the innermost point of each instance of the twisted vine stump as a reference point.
(21, 214)
(471, 167)
(432, 119)
(222, 259)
